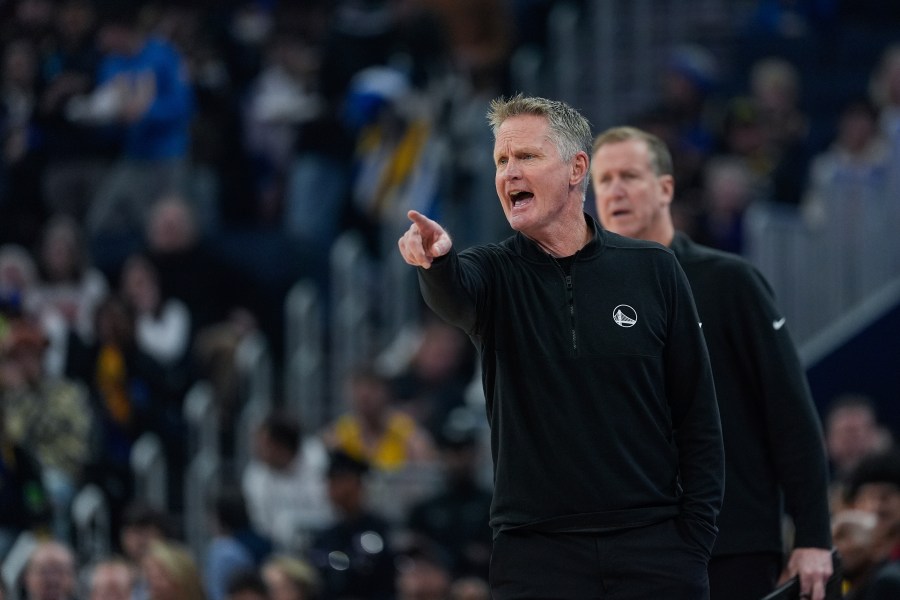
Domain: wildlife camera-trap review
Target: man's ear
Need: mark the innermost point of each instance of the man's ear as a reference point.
(580, 168)
(667, 188)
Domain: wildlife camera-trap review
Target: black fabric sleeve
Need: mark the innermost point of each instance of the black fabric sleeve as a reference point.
(695, 413)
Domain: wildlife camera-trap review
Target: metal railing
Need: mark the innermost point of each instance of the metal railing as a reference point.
(91, 520)
(351, 327)
(150, 469)
(253, 362)
(607, 57)
(305, 359)
(201, 478)
(255, 409)
(256, 373)
(201, 415)
(850, 324)
(15, 561)
(201, 481)
(820, 272)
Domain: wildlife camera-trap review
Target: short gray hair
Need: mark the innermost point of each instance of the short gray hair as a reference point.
(569, 130)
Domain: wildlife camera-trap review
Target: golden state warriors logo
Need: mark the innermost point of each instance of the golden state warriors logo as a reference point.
(624, 316)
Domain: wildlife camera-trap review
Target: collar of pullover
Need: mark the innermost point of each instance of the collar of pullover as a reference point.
(530, 250)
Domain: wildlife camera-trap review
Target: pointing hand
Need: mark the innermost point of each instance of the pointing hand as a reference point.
(424, 241)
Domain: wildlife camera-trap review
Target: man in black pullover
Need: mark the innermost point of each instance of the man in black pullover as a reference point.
(774, 450)
(605, 435)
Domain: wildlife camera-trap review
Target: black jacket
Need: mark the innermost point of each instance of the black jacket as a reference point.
(773, 439)
(598, 386)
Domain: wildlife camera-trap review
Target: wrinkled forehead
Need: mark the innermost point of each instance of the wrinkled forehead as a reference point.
(523, 131)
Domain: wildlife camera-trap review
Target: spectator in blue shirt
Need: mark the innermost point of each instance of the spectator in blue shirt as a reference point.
(145, 96)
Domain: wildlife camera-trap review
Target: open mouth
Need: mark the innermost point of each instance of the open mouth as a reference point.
(518, 197)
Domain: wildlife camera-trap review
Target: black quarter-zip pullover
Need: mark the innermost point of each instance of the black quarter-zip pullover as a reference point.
(599, 392)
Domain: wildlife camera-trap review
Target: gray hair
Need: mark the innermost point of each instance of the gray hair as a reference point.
(570, 132)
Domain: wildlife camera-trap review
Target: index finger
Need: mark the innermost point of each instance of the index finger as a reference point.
(429, 229)
(418, 218)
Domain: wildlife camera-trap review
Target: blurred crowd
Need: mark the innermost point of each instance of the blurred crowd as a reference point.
(169, 169)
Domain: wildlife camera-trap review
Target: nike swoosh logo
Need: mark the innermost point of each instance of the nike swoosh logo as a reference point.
(776, 325)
